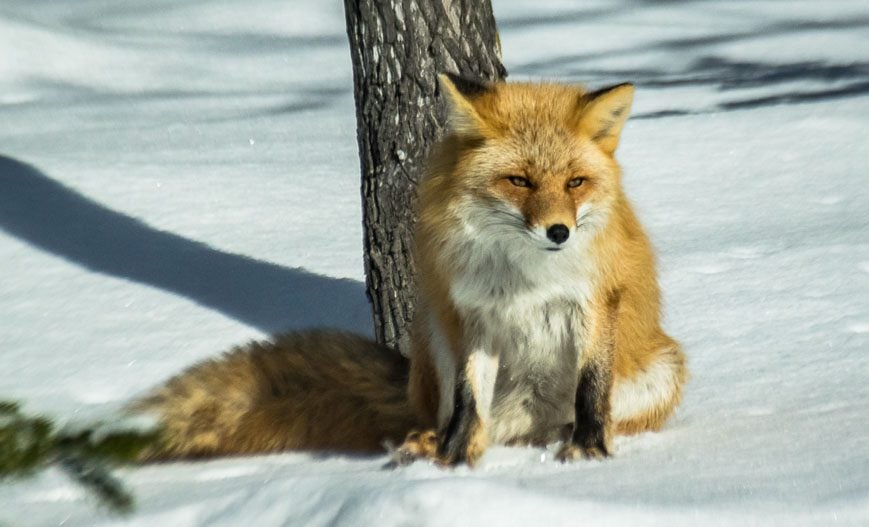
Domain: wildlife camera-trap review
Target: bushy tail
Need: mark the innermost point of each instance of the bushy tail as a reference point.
(316, 390)
(647, 399)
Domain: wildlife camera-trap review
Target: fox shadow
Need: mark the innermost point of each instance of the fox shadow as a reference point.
(43, 212)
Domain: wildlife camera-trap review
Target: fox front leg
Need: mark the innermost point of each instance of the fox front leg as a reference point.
(592, 425)
(464, 438)
(592, 429)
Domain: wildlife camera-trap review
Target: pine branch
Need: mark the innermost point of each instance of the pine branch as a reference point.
(26, 443)
(31, 443)
(96, 477)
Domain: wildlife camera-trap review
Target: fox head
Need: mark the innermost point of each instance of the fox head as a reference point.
(532, 162)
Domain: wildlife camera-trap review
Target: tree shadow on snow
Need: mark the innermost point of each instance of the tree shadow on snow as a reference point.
(787, 82)
(573, 63)
(272, 298)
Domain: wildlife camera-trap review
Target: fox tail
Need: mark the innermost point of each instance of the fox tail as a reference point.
(315, 390)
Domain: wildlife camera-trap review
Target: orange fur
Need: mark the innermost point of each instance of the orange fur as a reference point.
(332, 391)
(548, 135)
(317, 390)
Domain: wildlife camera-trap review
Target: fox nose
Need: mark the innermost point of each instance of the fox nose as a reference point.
(558, 233)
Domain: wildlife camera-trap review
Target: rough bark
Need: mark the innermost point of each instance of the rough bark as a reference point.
(398, 47)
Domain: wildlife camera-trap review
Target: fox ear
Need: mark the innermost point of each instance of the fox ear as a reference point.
(604, 114)
(463, 118)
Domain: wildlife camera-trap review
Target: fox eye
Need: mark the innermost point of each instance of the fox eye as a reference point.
(519, 181)
(575, 182)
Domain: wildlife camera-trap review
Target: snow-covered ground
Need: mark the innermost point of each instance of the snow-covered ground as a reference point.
(177, 177)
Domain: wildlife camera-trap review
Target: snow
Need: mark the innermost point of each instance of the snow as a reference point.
(180, 177)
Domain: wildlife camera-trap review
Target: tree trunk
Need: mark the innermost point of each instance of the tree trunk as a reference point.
(398, 47)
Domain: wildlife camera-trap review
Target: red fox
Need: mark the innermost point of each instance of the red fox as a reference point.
(538, 316)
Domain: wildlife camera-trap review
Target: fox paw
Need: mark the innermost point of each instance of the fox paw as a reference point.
(419, 444)
(460, 449)
(571, 451)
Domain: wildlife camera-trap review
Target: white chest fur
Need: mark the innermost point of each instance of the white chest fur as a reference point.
(535, 385)
(522, 309)
(530, 320)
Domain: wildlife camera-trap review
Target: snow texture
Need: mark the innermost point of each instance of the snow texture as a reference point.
(177, 177)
